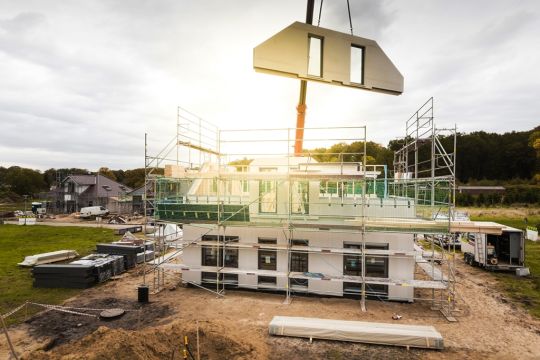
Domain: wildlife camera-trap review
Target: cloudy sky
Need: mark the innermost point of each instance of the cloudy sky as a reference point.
(82, 81)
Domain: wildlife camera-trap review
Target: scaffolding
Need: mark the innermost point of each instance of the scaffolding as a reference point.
(222, 180)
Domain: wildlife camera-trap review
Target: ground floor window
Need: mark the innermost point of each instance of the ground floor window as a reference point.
(373, 291)
(376, 265)
(212, 277)
(299, 262)
(210, 256)
(231, 258)
(267, 280)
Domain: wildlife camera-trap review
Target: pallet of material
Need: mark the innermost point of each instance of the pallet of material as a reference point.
(132, 229)
(357, 331)
(105, 265)
(128, 251)
(63, 276)
(148, 254)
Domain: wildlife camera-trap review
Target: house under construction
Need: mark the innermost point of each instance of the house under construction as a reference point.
(256, 216)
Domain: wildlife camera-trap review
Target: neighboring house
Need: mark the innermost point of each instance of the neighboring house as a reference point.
(78, 191)
(137, 200)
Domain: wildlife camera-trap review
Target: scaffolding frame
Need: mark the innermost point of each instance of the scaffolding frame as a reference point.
(201, 141)
(412, 163)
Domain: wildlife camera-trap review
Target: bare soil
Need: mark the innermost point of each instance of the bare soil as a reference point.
(236, 326)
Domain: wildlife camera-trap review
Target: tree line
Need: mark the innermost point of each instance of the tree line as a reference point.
(16, 181)
(483, 158)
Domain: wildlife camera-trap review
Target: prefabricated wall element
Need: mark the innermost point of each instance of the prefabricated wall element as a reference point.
(357, 331)
(314, 53)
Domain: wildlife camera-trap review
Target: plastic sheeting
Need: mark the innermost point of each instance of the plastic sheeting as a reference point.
(172, 232)
(50, 257)
(357, 331)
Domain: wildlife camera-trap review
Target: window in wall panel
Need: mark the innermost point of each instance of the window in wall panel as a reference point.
(315, 48)
(377, 266)
(299, 197)
(263, 240)
(267, 260)
(267, 196)
(357, 64)
(299, 262)
(209, 255)
(231, 258)
(266, 280)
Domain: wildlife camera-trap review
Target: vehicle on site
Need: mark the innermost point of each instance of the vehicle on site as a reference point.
(39, 208)
(495, 252)
(93, 211)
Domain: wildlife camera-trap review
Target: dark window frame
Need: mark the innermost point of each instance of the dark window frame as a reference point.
(263, 265)
(266, 280)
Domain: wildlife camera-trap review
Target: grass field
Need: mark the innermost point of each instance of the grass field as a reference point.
(525, 291)
(16, 242)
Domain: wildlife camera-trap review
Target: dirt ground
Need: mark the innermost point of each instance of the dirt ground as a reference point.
(236, 326)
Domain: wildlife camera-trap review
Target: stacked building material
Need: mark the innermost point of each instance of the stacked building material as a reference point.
(105, 265)
(129, 252)
(149, 256)
(64, 276)
(132, 229)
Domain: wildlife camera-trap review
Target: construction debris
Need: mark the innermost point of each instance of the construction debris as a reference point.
(117, 219)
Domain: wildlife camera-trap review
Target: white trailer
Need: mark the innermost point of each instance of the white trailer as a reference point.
(503, 252)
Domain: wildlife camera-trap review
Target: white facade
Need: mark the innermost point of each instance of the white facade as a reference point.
(321, 204)
(328, 262)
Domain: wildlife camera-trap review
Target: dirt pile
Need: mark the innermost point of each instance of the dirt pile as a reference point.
(163, 342)
(63, 327)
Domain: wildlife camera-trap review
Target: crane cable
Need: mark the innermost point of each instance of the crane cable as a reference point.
(320, 10)
(348, 11)
(350, 20)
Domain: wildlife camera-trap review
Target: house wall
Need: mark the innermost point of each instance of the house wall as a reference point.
(328, 264)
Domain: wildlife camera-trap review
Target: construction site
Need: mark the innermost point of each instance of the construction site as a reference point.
(258, 243)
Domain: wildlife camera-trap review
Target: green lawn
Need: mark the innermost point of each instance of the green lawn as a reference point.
(16, 242)
(526, 291)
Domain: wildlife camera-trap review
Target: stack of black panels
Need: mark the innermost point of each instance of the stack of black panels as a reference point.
(64, 276)
(128, 251)
(105, 265)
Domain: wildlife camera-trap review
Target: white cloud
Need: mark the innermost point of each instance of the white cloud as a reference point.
(83, 81)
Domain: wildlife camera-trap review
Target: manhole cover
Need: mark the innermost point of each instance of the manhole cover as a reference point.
(111, 313)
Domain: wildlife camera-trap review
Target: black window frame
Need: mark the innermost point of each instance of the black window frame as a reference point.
(263, 265)
(266, 280)
(299, 260)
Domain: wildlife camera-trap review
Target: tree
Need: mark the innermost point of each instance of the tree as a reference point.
(23, 181)
(534, 142)
(105, 171)
(134, 178)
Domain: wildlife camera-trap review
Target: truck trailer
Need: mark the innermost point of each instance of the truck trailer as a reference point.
(503, 252)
